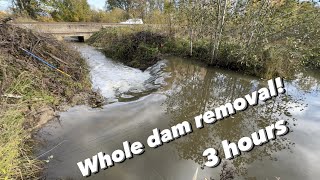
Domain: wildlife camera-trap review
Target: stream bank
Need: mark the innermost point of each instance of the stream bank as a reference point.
(31, 93)
(141, 47)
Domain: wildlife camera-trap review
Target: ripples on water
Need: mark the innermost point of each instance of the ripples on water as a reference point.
(191, 90)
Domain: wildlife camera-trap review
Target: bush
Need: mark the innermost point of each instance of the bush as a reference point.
(312, 59)
(115, 16)
(140, 50)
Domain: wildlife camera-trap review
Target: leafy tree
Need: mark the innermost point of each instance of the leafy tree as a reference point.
(31, 8)
(125, 5)
(133, 8)
(115, 16)
(70, 10)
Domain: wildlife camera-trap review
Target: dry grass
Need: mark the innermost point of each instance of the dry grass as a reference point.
(16, 161)
(26, 86)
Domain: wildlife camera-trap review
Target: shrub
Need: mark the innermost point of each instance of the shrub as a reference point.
(140, 50)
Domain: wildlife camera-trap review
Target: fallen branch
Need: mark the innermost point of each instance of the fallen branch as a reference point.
(56, 58)
(12, 96)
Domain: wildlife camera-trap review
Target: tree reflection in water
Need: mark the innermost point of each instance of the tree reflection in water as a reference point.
(196, 89)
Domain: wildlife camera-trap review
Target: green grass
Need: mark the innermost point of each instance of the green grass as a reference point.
(17, 160)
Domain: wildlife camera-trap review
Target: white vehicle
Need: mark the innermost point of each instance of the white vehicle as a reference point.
(132, 21)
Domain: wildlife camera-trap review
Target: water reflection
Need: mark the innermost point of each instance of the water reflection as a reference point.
(192, 89)
(197, 89)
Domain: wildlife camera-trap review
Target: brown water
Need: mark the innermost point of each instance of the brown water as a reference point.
(191, 89)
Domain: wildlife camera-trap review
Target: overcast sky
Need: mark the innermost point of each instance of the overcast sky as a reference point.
(95, 4)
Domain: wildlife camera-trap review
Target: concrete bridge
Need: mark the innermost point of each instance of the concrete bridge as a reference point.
(82, 31)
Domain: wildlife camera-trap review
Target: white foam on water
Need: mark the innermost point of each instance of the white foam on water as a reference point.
(112, 78)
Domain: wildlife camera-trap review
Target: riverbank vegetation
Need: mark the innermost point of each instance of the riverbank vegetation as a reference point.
(134, 47)
(261, 38)
(31, 92)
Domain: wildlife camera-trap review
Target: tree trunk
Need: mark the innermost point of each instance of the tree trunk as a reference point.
(191, 41)
(215, 33)
(222, 24)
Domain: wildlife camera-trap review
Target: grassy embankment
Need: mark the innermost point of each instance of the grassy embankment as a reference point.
(142, 46)
(30, 93)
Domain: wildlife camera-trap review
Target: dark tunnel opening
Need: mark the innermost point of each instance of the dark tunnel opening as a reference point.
(81, 38)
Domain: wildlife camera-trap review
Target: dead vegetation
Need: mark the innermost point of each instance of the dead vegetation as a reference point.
(31, 93)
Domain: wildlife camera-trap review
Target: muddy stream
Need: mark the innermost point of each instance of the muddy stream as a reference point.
(172, 91)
